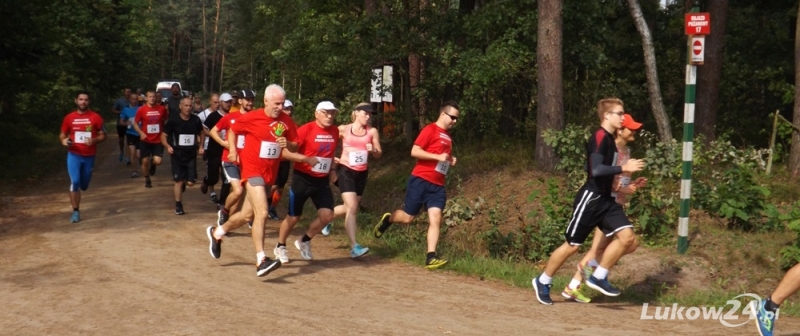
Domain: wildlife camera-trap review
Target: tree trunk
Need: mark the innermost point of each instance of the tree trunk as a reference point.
(794, 158)
(653, 86)
(371, 7)
(709, 74)
(222, 60)
(215, 52)
(550, 99)
(205, 50)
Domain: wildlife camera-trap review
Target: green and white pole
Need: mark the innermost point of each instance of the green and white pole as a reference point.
(688, 136)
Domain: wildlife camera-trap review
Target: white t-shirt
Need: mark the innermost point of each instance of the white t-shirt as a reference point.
(203, 115)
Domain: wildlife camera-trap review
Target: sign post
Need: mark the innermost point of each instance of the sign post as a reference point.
(696, 24)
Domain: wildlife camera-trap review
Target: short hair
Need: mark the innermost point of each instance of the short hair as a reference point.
(448, 105)
(190, 99)
(174, 85)
(274, 89)
(83, 92)
(604, 105)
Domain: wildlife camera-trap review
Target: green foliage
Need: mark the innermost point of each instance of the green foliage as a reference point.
(654, 209)
(790, 255)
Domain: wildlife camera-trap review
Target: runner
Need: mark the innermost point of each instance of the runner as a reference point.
(119, 104)
(151, 117)
(268, 134)
(131, 136)
(174, 101)
(316, 143)
(142, 98)
(232, 188)
(358, 142)
(236, 105)
(159, 99)
(197, 106)
(433, 151)
(622, 187)
(181, 137)
(283, 173)
(594, 206)
(81, 131)
(767, 310)
(213, 151)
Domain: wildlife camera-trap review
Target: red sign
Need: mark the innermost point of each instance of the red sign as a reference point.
(698, 23)
(697, 47)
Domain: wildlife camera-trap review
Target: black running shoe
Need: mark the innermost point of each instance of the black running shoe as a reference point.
(152, 169)
(382, 225)
(204, 186)
(273, 214)
(222, 217)
(179, 210)
(147, 183)
(266, 266)
(214, 245)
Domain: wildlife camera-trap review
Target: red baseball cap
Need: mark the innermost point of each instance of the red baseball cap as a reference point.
(629, 123)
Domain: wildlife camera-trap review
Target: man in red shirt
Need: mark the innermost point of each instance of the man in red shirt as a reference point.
(231, 186)
(316, 143)
(81, 131)
(268, 133)
(152, 117)
(433, 151)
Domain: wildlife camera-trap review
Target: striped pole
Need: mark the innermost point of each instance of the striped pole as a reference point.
(688, 135)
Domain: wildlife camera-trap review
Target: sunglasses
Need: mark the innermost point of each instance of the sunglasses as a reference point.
(451, 117)
(620, 113)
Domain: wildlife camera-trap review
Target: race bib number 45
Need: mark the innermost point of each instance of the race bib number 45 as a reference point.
(270, 150)
(442, 167)
(323, 166)
(358, 158)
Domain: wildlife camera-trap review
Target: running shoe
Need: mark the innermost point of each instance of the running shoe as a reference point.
(273, 214)
(249, 225)
(382, 225)
(204, 187)
(147, 183)
(127, 161)
(358, 251)
(765, 319)
(575, 295)
(222, 217)
(305, 249)
(213, 198)
(134, 175)
(266, 266)
(214, 244)
(280, 254)
(542, 291)
(179, 209)
(76, 217)
(602, 286)
(585, 270)
(435, 262)
(152, 169)
(326, 231)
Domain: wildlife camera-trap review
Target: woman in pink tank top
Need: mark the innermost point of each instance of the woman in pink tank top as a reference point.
(359, 142)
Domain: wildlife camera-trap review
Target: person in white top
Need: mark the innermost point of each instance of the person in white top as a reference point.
(359, 141)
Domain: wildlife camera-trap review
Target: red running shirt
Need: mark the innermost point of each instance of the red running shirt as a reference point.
(261, 155)
(151, 120)
(435, 140)
(80, 126)
(314, 140)
(223, 125)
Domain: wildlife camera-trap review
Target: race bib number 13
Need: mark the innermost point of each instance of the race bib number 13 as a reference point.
(269, 150)
(442, 167)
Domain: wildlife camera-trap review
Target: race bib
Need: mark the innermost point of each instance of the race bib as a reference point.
(82, 137)
(240, 142)
(186, 140)
(323, 166)
(269, 150)
(358, 158)
(205, 144)
(442, 167)
(624, 181)
(153, 129)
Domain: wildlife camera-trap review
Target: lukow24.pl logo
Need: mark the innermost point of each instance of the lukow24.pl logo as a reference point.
(744, 305)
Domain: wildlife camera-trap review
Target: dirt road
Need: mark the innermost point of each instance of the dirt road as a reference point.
(133, 267)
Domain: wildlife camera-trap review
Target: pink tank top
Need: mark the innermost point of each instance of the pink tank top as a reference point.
(354, 149)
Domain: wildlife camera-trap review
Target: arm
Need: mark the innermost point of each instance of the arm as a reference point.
(63, 137)
(214, 134)
(135, 125)
(165, 142)
(201, 135)
(292, 156)
(420, 154)
(599, 169)
(101, 136)
(376, 144)
(233, 155)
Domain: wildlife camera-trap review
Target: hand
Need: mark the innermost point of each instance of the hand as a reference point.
(281, 142)
(65, 142)
(334, 176)
(233, 157)
(640, 182)
(443, 157)
(628, 189)
(170, 150)
(453, 161)
(369, 147)
(337, 161)
(633, 165)
(89, 141)
(142, 136)
(311, 160)
(200, 151)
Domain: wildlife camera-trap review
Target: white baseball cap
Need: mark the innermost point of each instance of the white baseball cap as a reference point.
(326, 105)
(287, 103)
(225, 97)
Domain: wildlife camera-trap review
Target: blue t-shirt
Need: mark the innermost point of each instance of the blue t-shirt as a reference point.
(129, 113)
(120, 104)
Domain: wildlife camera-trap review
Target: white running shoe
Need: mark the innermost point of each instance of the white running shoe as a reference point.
(280, 254)
(326, 231)
(305, 249)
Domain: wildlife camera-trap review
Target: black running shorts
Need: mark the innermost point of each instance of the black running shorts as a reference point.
(591, 210)
(305, 186)
(350, 180)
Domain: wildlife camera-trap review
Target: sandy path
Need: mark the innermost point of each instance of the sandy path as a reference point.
(133, 267)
